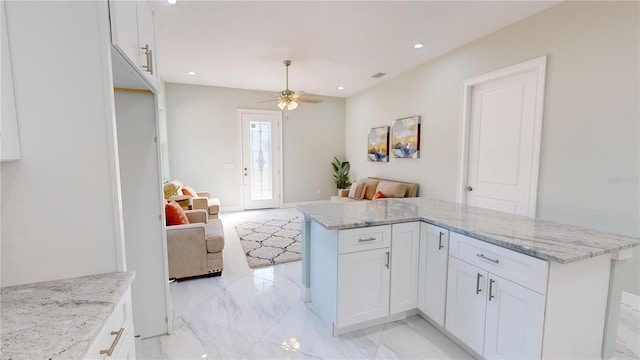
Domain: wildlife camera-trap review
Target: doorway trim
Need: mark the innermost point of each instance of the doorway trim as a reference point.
(539, 65)
(240, 151)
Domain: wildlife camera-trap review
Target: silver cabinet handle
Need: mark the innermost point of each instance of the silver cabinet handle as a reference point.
(491, 281)
(440, 246)
(478, 290)
(109, 351)
(148, 52)
(482, 256)
(367, 239)
(388, 260)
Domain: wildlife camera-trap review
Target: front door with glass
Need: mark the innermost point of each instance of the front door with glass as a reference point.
(261, 171)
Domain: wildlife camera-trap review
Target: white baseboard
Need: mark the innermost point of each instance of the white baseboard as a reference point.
(225, 209)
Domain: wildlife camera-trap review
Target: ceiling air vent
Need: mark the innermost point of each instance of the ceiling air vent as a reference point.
(378, 75)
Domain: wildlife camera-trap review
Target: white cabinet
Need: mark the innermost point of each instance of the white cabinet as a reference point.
(146, 39)
(493, 315)
(124, 28)
(9, 137)
(133, 34)
(432, 283)
(514, 324)
(377, 272)
(116, 338)
(405, 243)
(466, 303)
(363, 286)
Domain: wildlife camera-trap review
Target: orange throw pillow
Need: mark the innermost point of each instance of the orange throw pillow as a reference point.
(378, 195)
(188, 190)
(175, 214)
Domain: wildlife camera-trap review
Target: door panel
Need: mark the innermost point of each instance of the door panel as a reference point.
(405, 244)
(514, 321)
(261, 159)
(434, 246)
(502, 113)
(466, 304)
(142, 206)
(363, 286)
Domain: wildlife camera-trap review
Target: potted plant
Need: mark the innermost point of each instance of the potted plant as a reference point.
(341, 173)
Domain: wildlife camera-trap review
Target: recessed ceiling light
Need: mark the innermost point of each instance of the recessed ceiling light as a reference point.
(340, 87)
(418, 46)
(172, 2)
(191, 73)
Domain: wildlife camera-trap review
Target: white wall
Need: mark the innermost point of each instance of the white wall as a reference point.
(202, 124)
(591, 133)
(59, 215)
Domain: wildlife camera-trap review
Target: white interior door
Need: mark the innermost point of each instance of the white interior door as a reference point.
(261, 159)
(142, 206)
(505, 117)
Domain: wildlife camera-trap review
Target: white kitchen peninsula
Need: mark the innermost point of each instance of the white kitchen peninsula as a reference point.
(501, 285)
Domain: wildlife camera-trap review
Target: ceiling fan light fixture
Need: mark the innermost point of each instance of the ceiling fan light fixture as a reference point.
(282, 104)
(292, 105)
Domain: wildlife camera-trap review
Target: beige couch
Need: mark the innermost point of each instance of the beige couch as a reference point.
(204, 201)
(195, 249)
(392, 188)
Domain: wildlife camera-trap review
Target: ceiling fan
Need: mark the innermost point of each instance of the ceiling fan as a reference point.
(289, 98)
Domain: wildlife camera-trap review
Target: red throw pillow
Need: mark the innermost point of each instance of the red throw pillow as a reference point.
(378, 195)
(175, 214)
(188, 190)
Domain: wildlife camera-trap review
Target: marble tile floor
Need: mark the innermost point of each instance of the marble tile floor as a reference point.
(258, 314)
(628, 336)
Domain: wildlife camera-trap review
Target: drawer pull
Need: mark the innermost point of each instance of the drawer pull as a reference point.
(115, 342)
(491, 281)
(388, 260)
(440, 241)
(488, 258)
(478, 284)
(367, 239)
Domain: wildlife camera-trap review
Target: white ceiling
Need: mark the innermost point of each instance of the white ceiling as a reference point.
(242, 44)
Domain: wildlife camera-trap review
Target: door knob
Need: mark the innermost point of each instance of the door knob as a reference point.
(469, 188)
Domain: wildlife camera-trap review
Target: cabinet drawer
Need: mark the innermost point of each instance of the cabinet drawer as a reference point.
(368, 238)
(522, 269)
(119, 321)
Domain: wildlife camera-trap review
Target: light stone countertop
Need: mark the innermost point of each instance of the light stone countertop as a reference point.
(543, 239)
(58, 319)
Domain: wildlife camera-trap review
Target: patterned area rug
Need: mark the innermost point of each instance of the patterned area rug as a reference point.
(269, 242)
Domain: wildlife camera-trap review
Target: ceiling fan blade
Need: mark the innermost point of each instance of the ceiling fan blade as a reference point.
(267, 101)
(311, 101)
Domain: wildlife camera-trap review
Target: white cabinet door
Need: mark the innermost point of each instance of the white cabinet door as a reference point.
(405, 244)
(124, 28)
(146, 39)
(363, 286)
(514, 321)
(434, 246)
(466, 303)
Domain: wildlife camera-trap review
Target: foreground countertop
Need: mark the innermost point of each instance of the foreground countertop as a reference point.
(543, 239)
(58, 319)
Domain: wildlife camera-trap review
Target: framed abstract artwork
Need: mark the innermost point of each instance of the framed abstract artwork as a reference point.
(378, 148)
(405, 138)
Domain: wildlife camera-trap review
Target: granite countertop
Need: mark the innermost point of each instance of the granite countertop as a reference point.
(58, 319)
(543, 239)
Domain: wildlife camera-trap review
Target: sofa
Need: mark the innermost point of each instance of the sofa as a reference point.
(384, 188)
(190, 199)
(195, 249)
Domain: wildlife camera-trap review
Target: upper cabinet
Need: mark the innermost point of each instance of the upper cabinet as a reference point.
(9, 139)
(146, 39)
(133, 35)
